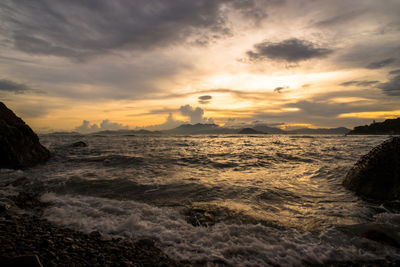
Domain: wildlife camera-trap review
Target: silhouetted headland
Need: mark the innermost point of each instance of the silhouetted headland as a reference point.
(389, 126)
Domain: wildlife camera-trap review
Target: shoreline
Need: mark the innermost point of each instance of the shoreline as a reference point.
(23, 232)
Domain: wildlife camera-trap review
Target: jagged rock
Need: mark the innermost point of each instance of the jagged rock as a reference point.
(79, 144)
(19, 145)
(376, 175)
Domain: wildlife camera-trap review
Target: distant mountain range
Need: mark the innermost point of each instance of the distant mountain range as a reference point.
(339, 130)
(389, 126)
(258, 129)
(200, 128)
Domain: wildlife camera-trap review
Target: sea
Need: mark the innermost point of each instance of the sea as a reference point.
(219, 200)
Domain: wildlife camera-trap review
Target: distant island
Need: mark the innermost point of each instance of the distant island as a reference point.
(389, 126)
(249, 131)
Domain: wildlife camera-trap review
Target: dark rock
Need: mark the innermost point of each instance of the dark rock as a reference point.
(19, 145)
(20, 181)
(28, 260)
(79, 144)
(376, 175)
(95, 234)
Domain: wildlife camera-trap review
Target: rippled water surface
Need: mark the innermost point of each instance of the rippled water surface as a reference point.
(218, 200)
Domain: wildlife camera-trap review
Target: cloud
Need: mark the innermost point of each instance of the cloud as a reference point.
(205, 99)
(291, 50)
(195, 114)
(381, 64)
(394, 72)
(392, 87)
(255, 10)
(87, 127)
(374, 53)
(359, 83)
(81, 29)
(326, 108)
(10, 86)
(105, 125)
(342, 18)
(280, 88)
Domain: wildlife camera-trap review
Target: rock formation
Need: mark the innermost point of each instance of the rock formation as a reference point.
(19, 145)
(79, 144)
(376, 175)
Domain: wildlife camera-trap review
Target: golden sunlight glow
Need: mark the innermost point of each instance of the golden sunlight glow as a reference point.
(297, 125)
(372, 115)
(350, 99)
(248, 81)
(290, 109)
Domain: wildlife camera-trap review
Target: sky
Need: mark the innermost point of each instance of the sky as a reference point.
(154, 64)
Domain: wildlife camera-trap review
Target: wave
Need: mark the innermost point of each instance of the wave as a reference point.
(226, 244)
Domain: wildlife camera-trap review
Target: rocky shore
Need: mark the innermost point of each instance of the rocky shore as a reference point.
(28, 239)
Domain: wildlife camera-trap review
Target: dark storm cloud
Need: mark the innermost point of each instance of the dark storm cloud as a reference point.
(10, 86)
(205, 99)
(80, 29)
(392, 87)
(359, 83)
(291, 50)
(254, 10)
(381, 64)
(394, 72)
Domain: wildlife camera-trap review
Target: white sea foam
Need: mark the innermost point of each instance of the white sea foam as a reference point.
(239, 245)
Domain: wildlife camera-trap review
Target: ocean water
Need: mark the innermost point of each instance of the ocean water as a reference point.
(218, 199)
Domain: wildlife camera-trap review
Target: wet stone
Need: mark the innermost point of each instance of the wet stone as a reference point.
(79, 144)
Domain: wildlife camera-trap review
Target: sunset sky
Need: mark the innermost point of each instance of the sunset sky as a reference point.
(89, 65)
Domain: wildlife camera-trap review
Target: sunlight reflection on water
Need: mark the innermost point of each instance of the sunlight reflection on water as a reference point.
(291, 181)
